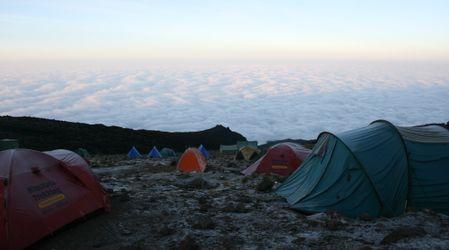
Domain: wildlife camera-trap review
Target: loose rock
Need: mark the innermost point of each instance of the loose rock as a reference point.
(401, 233)
(233, 207)
(197, 183)
(188, 243)
(202, 221)
(266, 184)
(165, 230)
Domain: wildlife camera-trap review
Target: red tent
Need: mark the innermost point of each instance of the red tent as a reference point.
(282, 159)
(40, 194)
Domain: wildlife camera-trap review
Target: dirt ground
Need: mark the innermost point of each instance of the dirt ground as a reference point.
(156, 207)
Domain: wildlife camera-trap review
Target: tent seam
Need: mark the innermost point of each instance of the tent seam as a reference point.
(321, 177)
(391, 125)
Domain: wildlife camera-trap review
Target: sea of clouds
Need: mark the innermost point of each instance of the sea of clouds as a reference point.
(261, 101)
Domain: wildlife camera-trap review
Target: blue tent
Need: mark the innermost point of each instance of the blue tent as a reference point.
(371, 170)
(133, 153)
(203, 150)
(154, 153)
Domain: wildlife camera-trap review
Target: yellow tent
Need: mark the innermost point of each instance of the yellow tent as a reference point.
(247, 153)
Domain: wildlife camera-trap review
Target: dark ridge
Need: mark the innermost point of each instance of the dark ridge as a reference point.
(306, 143)
(47, 134)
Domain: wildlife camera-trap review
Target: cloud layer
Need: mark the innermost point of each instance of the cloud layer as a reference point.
(263, 102)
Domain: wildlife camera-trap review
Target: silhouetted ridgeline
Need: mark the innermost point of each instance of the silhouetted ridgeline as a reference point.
(45, 134)
(306, 143)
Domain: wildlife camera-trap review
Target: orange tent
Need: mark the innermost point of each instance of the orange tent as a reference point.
(192, 160)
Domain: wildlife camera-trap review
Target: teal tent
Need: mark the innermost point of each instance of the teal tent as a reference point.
(428, 158)
(133, 153)
(154, 153)
(167, 152)
(203, 151)
(376, 170)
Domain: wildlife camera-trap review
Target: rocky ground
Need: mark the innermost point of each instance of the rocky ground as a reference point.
(156, 207)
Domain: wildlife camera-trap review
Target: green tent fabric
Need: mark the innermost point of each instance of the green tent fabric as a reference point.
(167, 152)
(228, 149)
(6, 144)
(83, 153)
(425, 134)
(241, 144)
(428, 157)
(362, 171)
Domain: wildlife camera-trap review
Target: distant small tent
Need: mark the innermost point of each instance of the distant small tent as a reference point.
(241, 144)
(282, 159)
(375, 170)
(167, 152)
(203, 150)
(247, 153)
(228, 149)
(134, 153)
(154, 153)
(83, 153)
(192, 160)
(8, 144)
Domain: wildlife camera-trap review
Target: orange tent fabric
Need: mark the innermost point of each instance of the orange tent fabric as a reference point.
(282, 159)
(192, 160)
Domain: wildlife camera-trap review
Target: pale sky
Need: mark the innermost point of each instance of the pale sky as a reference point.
(346, 29)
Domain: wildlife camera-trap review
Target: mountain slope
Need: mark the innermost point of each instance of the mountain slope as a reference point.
(47, 134)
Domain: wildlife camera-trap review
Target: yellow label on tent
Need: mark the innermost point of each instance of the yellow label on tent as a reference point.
(279, 167)
(51, 200)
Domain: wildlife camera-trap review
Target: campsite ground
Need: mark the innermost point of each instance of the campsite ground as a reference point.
(156, 207)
